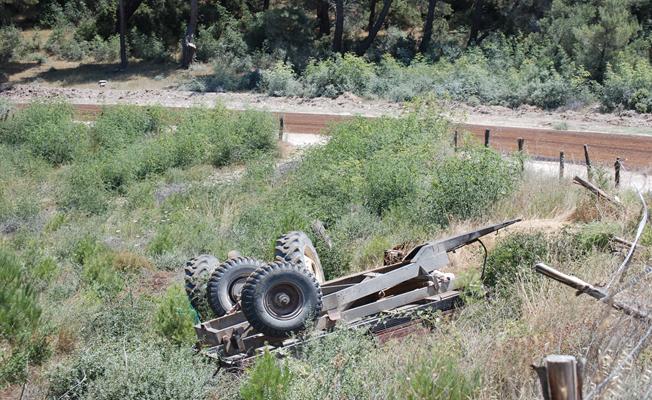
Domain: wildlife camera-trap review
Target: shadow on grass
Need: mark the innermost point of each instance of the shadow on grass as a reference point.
(92, 73)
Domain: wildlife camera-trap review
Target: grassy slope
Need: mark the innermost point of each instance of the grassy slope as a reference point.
(101, 252)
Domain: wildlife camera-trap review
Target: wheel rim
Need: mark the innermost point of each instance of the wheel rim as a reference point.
(284, 301)
(312, 265)
(235, 290)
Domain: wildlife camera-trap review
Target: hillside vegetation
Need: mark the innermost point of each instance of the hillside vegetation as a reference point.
(550, 54)
(97, 220)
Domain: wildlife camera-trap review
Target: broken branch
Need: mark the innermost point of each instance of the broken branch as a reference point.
(595, 190)
(585, 287)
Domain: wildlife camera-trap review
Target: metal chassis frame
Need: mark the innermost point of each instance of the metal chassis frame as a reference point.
(355, 297)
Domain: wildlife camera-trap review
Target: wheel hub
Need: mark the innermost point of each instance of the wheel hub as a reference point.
(284, 301)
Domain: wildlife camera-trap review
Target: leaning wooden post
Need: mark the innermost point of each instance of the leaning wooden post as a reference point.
(281, 127)
(560, 378)
(617, 165)
(561, 165)
(487, 133)
(589, 172)
(455, 138)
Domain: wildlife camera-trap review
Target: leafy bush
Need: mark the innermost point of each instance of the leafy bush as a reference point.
(175, 317)
(84, 189)
(280, 80)
(20, 315)
(98, 270)
(332, 77)
(628, 84)
(513, 259)
(135, 369)
(105, 50)
(146, 47)
(595, 236)
(266, 380)
(119, 126)
(440, 378)
(467, 184)
(47, 130)
(62, 43)
(19, 309)
(10, 39)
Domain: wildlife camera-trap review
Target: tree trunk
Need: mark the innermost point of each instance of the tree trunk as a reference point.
(364, 46)
(475, 22)
(427, 27)
(189, 48)
(372, 15)
(323, 18)
(123, 32)
(130, 7)
(339, 26)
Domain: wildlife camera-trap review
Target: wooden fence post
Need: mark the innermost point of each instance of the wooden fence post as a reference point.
(589, 172)
(455, 138)
(617, 165)
(560, 378)
(487, 133)
(281, 127)
(561, 165)
(521, 144)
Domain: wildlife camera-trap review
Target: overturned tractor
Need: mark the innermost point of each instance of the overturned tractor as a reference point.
(264, 305)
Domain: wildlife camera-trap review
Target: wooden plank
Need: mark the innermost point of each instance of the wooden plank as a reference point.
(388, 303)
(345, 296)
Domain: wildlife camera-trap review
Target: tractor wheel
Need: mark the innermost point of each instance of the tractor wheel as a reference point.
(225, 284)
(197, 272)
(281, 298)
(297, 248)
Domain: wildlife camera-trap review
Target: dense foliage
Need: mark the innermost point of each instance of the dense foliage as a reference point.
(553, 53)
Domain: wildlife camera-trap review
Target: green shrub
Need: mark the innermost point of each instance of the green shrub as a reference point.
(513, 258)
(595, 236)
(281, 80)
(627, 84)
(332, 77)
(145, 47)
(175, 317)
(99, 273)
(468, 183)
(10, 40)
(19, 309)
(439, 379)
(163, 242)
(105, 50)
(135, 369)
(47, 130)
(119, 126)
(84, 189)
(266, 380)
(63, 44)
(20, 316)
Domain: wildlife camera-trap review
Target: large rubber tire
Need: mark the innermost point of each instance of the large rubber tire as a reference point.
(281, 298)
(297, 248)
(197, 273)
(225, 284)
